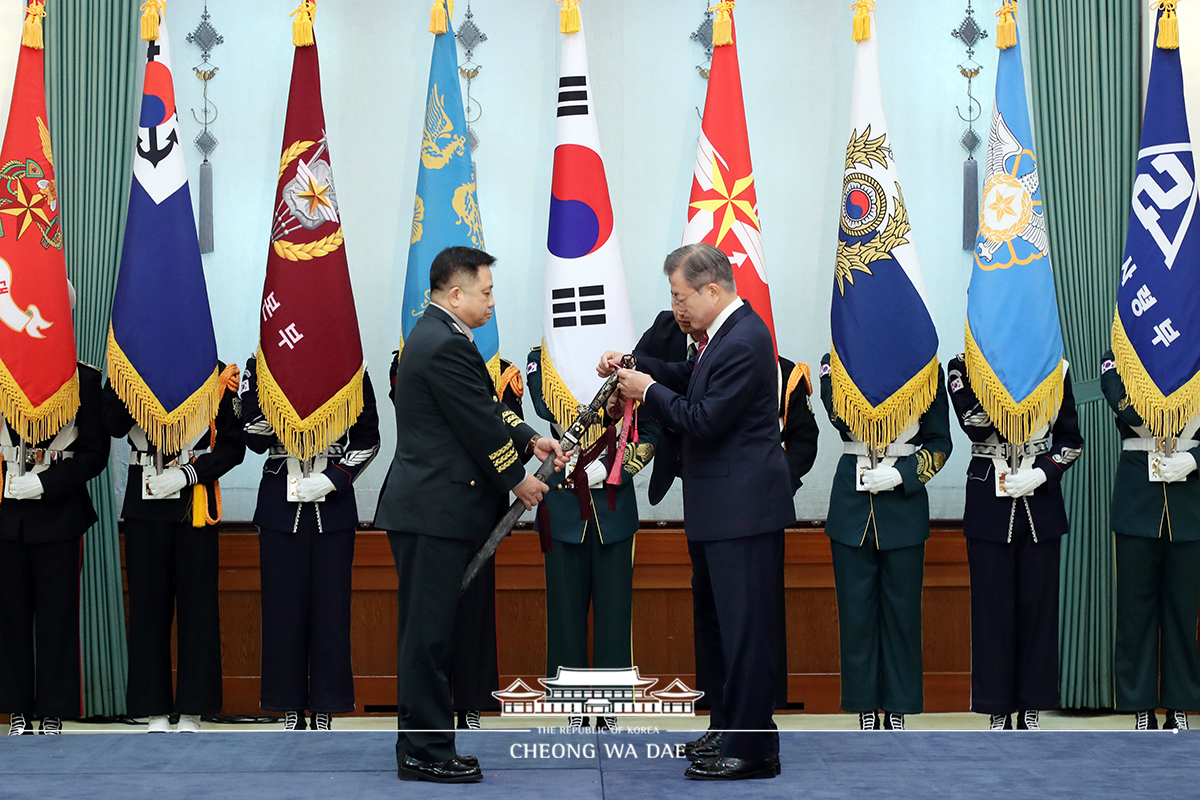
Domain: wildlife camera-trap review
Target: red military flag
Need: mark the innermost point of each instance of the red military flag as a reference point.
(723, 209)
(310, 360)
(39, 387)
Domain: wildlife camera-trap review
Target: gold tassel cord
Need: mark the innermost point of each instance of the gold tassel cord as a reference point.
(561, 402)
(1168, 24)
(302, 24)
(31, 31)
(510, 377)
(1016, 421)
(879, 425)
(1164, 415)
(439, 17)
(40, 423)
(228, 381)
(862, 20)
(722, 27)
(305, 437)
(151, 10)
(169, 431)
(1006, 30)
(568, 17)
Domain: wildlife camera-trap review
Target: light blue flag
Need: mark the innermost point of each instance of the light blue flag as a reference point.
(446, 212)
(1014, 347)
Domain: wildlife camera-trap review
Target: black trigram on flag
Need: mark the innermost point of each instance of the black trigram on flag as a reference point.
(572, 96)
(572, 307)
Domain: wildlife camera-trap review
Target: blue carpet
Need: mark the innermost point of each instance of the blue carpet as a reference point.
(524, 766)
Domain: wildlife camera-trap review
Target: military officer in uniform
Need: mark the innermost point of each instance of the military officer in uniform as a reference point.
(43, 516)
(877, 536)
(172, 562)
(1014, 526)
(306, 553)
(1155, 517)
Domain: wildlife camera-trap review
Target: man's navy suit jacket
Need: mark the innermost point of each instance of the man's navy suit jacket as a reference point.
(726, 408)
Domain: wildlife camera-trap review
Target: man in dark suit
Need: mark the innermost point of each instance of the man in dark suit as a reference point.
(736, 492)
(458, 455)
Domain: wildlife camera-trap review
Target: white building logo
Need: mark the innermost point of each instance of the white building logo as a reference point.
(602, 692)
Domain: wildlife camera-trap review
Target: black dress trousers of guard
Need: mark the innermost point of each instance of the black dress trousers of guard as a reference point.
(1014, 622)
(39, 671)
(172, 571)
(431, 568)
(306, 618)
(735, 608)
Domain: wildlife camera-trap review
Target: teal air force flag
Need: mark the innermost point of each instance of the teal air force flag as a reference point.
(446, 212)
(1014, 347)
(1156, 328)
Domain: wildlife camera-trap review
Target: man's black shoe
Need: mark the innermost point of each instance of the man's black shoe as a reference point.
(1146, 721)
(449, 771)
(731, 769)
(470, 761)
(707, 746)
(1176, 720)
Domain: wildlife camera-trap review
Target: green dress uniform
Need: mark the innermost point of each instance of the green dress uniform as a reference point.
(878, 545)
(1157, 531)
(591, 561)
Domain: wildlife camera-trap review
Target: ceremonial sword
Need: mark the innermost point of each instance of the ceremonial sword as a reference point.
(586, 416)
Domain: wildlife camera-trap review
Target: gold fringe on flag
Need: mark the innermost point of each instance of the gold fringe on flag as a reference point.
(169, 431)
(862, 20)
(41, 423)
(722, 27)
(302, 25)
(1006, 30)
(439, 17)
(228, 382)
(562, 404)
(31, 31)
(879, 426)
(568, 17)
(150, 17)
(1168, 25)
(1017, 422)
(1163, 415)
(307, 437)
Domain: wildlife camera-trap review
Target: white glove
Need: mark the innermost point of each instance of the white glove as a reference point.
(25, 487)
(1176, 467)
(314, 487)
(168, 483)
(881, 479)
(596, 474)
(1023, 483)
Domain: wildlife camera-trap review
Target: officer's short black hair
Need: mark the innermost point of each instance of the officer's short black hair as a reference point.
(702, 264)
(454, 262)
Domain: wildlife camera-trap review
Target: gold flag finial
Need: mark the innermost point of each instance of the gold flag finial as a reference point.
(568, 17)
(723, 24)
(302, 25)
(31, 32)
(862, 20)
(1006, 31)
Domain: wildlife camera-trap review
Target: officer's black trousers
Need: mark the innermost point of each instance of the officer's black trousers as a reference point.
(430, 571)
(172, 571)
(1014, 622)
(475, 670)
(1158, 602)
(735, 610)
(40, 591)
(306, 618)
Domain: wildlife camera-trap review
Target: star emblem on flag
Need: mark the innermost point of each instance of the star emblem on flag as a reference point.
(315, 195)
(726, 201)
(27, 208)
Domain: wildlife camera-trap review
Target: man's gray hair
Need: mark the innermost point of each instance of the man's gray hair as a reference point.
(702, 264)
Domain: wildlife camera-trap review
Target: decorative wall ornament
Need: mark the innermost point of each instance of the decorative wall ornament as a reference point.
(703, 36)
(470, 36)
(970, 34)
(205, 37)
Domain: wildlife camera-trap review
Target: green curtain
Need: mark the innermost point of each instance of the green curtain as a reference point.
(91, 58)
(1085, 75)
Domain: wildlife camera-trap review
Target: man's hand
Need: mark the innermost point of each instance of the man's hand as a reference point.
(610, 362)
(881, 479)
(633, 383)
(530, 491)
(313, 488)
(545, 446)
(1023, 483)
(168, 483)
(1176, 467)
(25, 487)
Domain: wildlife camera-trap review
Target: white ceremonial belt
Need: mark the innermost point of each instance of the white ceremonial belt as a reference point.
(1035, 447)
(139, 458)
(35, 455)
(892, 450)
(1152, 445)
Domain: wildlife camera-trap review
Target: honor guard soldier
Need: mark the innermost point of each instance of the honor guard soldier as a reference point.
(1155, 516)
(44, 513)
(171, 513)
(878, 523)
(307, 519)
(589, 565)
(1014, 522)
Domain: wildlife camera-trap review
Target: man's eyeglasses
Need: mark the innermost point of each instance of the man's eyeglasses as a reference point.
(679, 301)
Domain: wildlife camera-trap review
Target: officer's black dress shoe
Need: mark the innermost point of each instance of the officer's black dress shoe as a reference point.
(470, 761)
(450, 771)
(707, 746)
(732, 769)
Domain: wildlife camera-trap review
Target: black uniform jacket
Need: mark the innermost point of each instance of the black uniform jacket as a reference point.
(348, 457)
(64, 511)
(987, 516)
(227, 452)
(458, 448)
